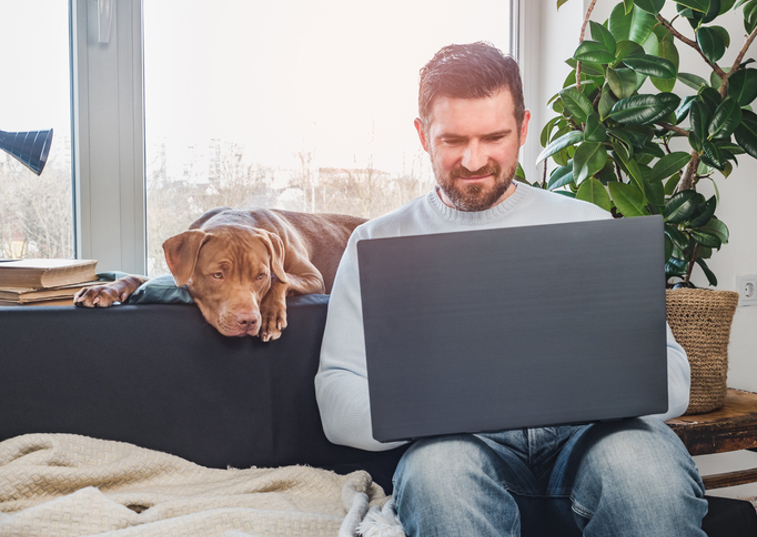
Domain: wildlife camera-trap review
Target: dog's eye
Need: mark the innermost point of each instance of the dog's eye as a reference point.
(217, 275)
(262, 275)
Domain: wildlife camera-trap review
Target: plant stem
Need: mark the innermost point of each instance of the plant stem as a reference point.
(689, 177)
(737, 62)
(690, 266)
(673, 128)
(581, 38)
(693, 44)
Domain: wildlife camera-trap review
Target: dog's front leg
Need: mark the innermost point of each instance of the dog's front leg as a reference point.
(273, 312)
(273, 305)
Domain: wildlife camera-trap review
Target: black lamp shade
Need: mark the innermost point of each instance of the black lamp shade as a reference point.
(31, 148)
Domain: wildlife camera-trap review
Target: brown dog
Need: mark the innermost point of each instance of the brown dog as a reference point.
(239, 266)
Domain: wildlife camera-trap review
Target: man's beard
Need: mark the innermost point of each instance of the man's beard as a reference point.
(475, 197)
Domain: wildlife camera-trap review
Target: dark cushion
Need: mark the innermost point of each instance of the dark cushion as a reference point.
(730, 518)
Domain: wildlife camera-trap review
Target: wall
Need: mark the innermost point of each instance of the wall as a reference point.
(558, 36)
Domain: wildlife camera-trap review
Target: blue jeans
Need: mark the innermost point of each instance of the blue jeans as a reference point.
(625, 478)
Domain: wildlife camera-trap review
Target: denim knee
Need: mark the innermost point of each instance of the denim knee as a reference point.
(635, 477)
(451, 486)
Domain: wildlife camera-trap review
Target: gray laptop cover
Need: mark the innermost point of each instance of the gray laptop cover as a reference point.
(518, 327)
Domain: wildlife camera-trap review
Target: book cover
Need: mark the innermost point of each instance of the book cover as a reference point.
(10, 295)
(46, 273)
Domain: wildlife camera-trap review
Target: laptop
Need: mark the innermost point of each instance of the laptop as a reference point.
(499, 329)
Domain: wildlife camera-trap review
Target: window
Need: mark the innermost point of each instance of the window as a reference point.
(295, 105)
(36, 212)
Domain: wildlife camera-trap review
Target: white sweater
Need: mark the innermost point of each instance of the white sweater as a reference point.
(341, 384)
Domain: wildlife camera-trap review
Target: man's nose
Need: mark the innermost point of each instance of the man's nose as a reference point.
(474, 157)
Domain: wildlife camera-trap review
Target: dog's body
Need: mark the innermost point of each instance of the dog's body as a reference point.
(239, 266)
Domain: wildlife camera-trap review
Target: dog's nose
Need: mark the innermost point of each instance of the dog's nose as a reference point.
(246, 320)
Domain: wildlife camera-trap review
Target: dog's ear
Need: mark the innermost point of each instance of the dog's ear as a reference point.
(276, 247)
(181, 253)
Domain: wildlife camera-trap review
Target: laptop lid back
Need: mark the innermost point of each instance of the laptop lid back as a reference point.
(517, 327)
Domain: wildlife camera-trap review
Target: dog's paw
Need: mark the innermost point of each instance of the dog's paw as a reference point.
(97, 296)
(274, 322)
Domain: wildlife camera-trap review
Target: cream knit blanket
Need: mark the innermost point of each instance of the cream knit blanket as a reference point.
(66, 485)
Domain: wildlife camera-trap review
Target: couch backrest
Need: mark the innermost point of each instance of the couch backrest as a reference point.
(160, 377)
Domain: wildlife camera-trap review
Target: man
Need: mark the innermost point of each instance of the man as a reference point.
(629, 478)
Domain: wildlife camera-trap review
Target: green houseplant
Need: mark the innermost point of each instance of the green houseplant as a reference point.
(635, 134)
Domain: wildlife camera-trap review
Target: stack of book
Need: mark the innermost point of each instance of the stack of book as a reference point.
(44, 281)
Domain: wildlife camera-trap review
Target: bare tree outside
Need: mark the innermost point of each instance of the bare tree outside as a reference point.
(36, 214)
(177, 198)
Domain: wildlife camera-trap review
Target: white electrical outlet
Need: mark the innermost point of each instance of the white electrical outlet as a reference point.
(746, 286)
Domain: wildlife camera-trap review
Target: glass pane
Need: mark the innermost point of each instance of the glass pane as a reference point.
(36, 212)
(305, 106)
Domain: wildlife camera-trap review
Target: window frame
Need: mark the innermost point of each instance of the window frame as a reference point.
(108, 127)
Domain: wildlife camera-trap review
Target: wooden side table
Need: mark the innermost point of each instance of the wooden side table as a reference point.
(730, 428)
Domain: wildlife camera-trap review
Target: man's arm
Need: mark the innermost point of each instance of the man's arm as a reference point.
(679, 380)
(341, 384)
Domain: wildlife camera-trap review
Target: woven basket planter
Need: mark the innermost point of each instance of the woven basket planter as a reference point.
(701, 323)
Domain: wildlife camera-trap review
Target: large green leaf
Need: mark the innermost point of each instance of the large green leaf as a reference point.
(680, 207)
(644, 109)
(634, 172)
(594, 130)
(628, 199)
(595, 192)
(742, 86)
(593, 52)
(712, 155)
(726, 118)
(699, 118)
(678, 237)
(622, 82)
(606, 102)
(717, 228)
(590, 157)
(711, 43)
(668, 165)
(651, 65)
(746, 136)
(750, 17)
(650, 6)
(697, 5)
(705, 238)
(692, 81)
(603, 35)
(566, 140)
(627, 48)
(634, 26)
(578, 105)
(710, 97)
(711, 278)
(704, 212)
(561, 176)
(668, 50)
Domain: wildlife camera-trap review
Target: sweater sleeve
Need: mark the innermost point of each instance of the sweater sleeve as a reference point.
(341, 383)
(679, 380)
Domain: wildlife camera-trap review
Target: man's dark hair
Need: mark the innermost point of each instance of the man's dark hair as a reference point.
(470, 71)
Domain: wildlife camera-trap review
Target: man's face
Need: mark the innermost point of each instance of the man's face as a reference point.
(473, 144)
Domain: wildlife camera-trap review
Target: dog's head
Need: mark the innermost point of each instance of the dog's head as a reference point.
(227, 270)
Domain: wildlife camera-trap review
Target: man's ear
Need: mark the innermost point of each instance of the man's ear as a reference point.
(276, 248)
(181, 253)
(524, 127)
(421, 133)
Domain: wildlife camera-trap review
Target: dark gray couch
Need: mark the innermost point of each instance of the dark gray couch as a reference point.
(159, 377)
